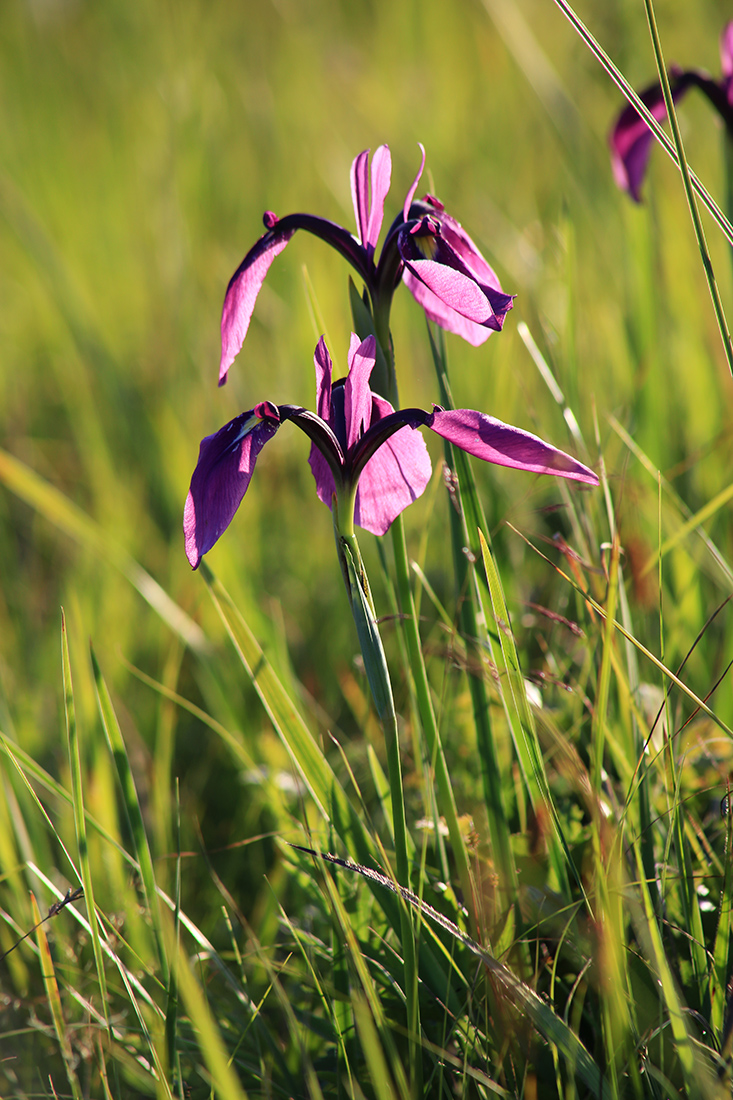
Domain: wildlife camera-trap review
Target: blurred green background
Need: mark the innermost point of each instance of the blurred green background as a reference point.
(140, 144)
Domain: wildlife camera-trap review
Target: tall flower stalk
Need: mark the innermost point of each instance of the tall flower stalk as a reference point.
(368, 460)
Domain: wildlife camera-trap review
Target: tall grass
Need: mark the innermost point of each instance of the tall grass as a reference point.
(570, 893)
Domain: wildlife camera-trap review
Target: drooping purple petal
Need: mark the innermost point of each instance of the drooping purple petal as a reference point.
(456, 237)
(357, 395)
(437, 311)
(241, 295)
(631, 139)
(222, 476)
(463, 297)
(457, 291)
(504, 445)
(393, 478)
(322, 473)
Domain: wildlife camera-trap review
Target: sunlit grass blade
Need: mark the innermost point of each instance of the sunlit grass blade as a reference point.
(373, 1054)
(332, 802)
(369, 991)
(551, 382)
(68, 517)
(517, 706)
(72, 734)
(721, 946)
(604, 679)
(224, 1080)
(132, 810)
(54, 1002)
(436, 755)
(692, 524)
(698, 1076)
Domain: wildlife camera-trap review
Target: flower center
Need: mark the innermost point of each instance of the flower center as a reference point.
(425, 238)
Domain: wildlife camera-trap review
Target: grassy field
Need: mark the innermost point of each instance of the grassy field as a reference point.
(222, 716)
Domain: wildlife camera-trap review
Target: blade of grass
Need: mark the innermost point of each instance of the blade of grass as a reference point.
(54, 1001)
(721, 945)
(376, 1063)
(446, 797)
(225, 1083)
(707, 263)
(330, 798)
(368, 987)
(133, 812)
(74, 750)
(527, 743)
(698, 1079)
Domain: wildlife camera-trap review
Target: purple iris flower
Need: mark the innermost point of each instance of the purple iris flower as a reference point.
(365, 457)
(441, 265)
(631, 139)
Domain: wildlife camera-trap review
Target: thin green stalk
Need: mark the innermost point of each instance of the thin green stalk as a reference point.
(623, 85)
(72, 734)
(446, 798)
(687, 183)
(469, 627)
(465, 526)
(133, 812)
(375, 663)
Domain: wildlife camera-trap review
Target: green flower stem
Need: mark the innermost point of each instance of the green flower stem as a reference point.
(375, 663)
(446, 800)
(464, 532)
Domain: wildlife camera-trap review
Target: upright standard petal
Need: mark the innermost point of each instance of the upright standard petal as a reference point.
(413, 186)
(393, 478)
(222, 476)
(322, 473)
(357, 395)
(631, 139)
(504, 445)
(241, 295)
(324, 373)
(369, 210)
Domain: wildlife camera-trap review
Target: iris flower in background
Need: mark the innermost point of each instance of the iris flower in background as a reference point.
(440, 264)
(631, 138)
(367, 461)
